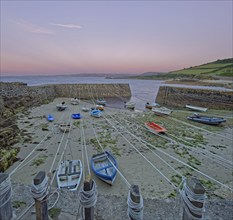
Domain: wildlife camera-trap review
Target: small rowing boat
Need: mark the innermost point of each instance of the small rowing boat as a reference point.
(104, 166)
(155, 128)
(161, 111)
(130, 105)
(74, 101)
(206, 119)
(101, 101)
(96, 113)
(69, 174)
(61, 106)
(50, 118)
(99, 107)
(85, 109)
(65, 127)
(196, 108)
(76, 116)
(151, 105)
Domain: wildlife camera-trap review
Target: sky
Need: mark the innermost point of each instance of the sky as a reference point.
(71, 37)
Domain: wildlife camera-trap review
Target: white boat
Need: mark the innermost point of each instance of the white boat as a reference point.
(74, 101)
(85, 109)
(162, 111)
(64, 127)
(130, 105)
(69, 174)
(195, 108)
(101, 101)
(151, 105)
(61, 106)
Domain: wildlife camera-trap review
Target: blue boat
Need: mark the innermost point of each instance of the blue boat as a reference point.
(206, 119)
(96, 113)
(104, 166)
(50, 118)
(76, 116)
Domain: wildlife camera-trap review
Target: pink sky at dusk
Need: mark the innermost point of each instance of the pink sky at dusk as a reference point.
(71, 37)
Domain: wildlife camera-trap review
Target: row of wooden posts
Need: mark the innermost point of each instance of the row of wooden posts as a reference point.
(6, 211)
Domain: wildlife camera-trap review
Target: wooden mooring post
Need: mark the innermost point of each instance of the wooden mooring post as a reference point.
(134, 195)
(196, 187)
(88, 212)
(5, 197)
(41, 203)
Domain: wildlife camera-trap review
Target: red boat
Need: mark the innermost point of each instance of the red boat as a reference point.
(155, 128)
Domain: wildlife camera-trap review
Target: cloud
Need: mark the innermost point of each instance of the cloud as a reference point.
(70, 26)
(33, 28)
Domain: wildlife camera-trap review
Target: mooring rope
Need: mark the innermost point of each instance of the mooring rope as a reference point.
(187, 197)
(5, 192)
(135, 210)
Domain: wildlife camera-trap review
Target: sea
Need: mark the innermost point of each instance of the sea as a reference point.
(143, 91)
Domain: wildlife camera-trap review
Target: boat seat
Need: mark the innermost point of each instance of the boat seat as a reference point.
(102, 168)
(63, 178)
(64, 174)
(69, 187)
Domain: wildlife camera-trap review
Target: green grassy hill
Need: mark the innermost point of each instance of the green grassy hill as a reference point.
(216, 69)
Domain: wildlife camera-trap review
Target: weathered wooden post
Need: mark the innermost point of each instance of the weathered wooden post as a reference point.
(196, 188)
(39, 193)
(135, 204)
(89, 212)
(5, 197)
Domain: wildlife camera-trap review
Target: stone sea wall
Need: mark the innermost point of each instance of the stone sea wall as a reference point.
(179, 97)
(18, 97)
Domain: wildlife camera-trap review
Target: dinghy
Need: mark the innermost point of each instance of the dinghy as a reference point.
(64, 127)
(206, 119)
(130, 105)
(162, 111)
(74, 101)
(155, 128)
(50, 118)
(101, 101)
(102, 166)
(195, 108)
(69, 174)
(151, 105)
(96, 113)
(100, 107)
(85, 109)
(76, 116)
(61, 106)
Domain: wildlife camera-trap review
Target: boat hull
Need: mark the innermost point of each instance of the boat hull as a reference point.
(155, 128)
(69, 174)
(104, 166)
(195, 108)
(207, 120)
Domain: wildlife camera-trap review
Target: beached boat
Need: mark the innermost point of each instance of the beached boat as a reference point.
(162, 111)
(76, 116)
(50, 118)
(99, 107)
(104, 166)
(64, 127)
(206, 119)
(130, 105)
(101, 101)
(61, 106)
(85, 109)
(151, 105)
(196, 108)
(155, 128)
(96, 113)
(74, 101)
(69, 174)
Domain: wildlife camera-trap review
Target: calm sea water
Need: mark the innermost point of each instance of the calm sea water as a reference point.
(142, 90)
